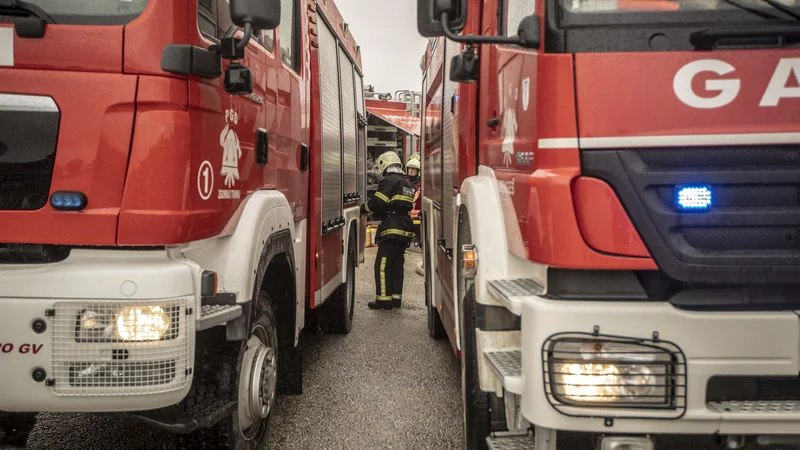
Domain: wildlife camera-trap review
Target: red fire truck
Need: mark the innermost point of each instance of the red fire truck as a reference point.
(179, 193)
(611, 217)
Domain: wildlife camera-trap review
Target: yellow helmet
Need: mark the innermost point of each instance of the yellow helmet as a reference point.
(413, 163)
(388, 159)
(414, 156)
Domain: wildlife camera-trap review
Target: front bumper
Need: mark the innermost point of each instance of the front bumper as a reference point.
(100, 374)
(713, 343)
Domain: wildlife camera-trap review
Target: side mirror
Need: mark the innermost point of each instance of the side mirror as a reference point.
(464, 67)
(530, 32)
(259, 14)
(429, 14)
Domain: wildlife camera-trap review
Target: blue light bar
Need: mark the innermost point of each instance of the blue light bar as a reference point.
(68, 201)
(693, 198)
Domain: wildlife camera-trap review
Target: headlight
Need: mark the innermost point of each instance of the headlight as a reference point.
(612, 373)
(149, 323)
(132, 323)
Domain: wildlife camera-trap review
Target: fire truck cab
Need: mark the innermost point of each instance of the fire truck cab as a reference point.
(610, 217)
(180, 184)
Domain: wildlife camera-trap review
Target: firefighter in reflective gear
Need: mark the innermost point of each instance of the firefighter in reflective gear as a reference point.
(412, 169)
(391, 203)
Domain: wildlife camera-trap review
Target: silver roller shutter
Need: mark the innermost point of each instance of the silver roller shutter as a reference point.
(331, 130)
(349, 127)
(448, 149)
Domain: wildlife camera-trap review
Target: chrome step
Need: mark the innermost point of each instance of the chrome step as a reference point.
(508, 440)
(213, 315)
(512, 292)
(507, 364)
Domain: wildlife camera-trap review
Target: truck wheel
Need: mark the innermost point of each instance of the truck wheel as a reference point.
(243, 371)
(477, 417)
(435, 326)
(15, 429)
(484, 412)
(338, 310)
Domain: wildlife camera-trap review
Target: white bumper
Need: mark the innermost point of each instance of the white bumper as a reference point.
(95, 374)
(719, 343)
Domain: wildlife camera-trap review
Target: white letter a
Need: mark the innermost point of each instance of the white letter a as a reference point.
(777, 88)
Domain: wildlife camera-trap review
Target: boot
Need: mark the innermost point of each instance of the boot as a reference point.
(380, 304)
(396, 302)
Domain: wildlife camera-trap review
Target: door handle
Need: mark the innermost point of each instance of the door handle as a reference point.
(262, 147)
(304, 157)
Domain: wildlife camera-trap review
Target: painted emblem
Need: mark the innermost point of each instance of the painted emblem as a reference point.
(231, 150)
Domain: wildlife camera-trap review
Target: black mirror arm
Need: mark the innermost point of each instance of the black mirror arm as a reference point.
(248, 33)
(476, 40)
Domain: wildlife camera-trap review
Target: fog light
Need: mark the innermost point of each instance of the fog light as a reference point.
(148, 323)
(607, 372)
(626, 443)
(693, 198)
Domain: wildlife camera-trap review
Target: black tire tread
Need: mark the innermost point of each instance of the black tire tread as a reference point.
(334, 313)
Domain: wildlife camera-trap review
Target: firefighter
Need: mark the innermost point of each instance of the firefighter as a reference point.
(391, 203)
(412, 170)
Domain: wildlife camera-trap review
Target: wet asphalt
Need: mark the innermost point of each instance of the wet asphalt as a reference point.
(386, 385)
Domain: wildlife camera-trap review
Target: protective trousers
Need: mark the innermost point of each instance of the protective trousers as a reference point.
(389, 271)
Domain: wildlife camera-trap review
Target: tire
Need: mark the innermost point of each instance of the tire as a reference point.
(223, 370)
(483, 412)
(435, 326)
(15, 429)
(337, 312)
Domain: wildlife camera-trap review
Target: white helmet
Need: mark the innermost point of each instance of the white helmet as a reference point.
(413, 163)
(387, 160)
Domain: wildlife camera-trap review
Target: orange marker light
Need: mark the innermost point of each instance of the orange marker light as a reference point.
(470, 259)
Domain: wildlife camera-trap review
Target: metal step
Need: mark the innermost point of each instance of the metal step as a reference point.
(507, 364)
(511, 293)
(213, 315)
(511, 441)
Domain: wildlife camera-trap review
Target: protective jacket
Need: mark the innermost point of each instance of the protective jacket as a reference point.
(392, 204)
(415, 183)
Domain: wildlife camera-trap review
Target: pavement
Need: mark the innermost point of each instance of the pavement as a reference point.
(386, 385)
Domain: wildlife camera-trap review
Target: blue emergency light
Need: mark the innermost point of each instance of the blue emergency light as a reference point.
(68, 201)
(693, 198)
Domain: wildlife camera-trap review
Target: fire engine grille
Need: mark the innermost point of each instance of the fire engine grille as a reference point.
(104, 348)
(750, 233)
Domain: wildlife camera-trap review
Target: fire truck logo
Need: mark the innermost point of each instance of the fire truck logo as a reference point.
(510, 125)
(231, 150)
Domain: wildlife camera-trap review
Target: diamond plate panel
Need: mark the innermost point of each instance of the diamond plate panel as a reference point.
(517, 288)
(511, 442)
(506, 363)
(761, 407)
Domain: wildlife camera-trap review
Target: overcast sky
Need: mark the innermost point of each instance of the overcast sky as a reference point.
(391, 48)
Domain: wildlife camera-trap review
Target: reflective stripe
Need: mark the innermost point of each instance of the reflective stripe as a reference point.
(366, 206)
(394, 231)
(416, 221)
(383, 277)
(402, 198)
(382, 196)
(397, 297)
(382, 298)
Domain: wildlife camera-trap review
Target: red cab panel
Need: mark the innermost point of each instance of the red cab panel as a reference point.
(603, 221)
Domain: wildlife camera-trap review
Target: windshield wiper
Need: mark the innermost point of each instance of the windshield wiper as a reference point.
(780, 6)
(765, 36)
(754, 11)
(19, 6)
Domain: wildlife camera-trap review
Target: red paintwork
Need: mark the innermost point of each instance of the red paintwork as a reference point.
(644, 84)
(133, 138)
(97, 111)
(603, 221)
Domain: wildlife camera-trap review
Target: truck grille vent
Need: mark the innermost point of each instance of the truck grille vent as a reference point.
(749, 235)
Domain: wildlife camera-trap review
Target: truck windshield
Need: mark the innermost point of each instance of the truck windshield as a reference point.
(636, 12)
(91, 12)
